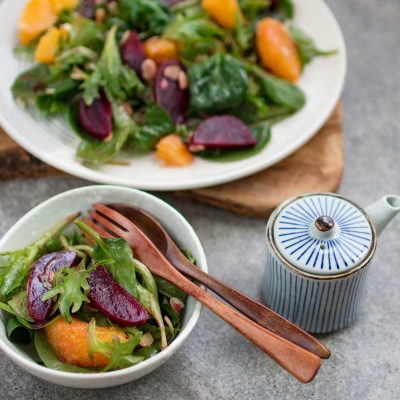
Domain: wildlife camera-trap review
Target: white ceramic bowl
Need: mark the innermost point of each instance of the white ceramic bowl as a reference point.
(37, 221)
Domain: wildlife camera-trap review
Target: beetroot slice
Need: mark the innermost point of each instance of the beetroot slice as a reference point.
(41, 281)
(224, 132)
(114, 301)
(169, 95)
(96, 119)
(132, 52)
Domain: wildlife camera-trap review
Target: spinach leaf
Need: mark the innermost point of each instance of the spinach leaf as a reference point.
(117, 80)
(122, 269)
(196, 33)
(252, 109)
(277, 91)
(72, 287)
(49, 358)
(217, 84)
(29, 83)
(146, 16)
(57, 96)
(146, 352)
(306, 45)
(95, 151)
(15, 270)
(17, 332)
(262, 133)
(156, 124)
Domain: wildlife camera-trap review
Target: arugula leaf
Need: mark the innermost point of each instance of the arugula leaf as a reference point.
(262, 133)
(72, 287)
(120, 354)
(118, 250)
(287, 8)
(156, 124)
(49, 358)
(196, 33)
(110, 74)
(146, 16)
(15, 271)
(17, 332)
(217, 84)
(254, 9)
(28, 84)
(306, 45)
(95, 151)
(146, 352)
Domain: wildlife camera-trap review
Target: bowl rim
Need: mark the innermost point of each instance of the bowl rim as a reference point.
(156, 360)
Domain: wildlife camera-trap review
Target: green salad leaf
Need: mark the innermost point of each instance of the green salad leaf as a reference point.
(15, 270)
(217, 84)
(156, 124)
(72, 287)
(119, 353)
(29, 83)
(306, 45)
(85, 32)
(196, 33)
(49, 358)
(110, 74)
(146, 16)
(17, 332)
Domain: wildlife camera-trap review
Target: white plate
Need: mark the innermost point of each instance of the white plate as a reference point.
(53, 142)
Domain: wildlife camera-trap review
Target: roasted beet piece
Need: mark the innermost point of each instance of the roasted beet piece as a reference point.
(172, 93)
(224, 132)
(132, 52)
(96, 119)
(114, 301)
(41, 281)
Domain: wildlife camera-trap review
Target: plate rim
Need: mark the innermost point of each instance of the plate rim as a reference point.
(86, 173)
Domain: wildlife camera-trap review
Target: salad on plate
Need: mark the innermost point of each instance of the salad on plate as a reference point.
(181, 78)
(85, 302)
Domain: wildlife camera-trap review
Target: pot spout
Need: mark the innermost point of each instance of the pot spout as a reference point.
(383, 211)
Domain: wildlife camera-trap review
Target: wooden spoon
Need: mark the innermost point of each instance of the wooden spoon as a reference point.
(257, 312)
(297, 361)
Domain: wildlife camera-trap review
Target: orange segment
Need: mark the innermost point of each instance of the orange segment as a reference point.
(70, 341)
(224, 12)
(277, 50)
(160, 50)
(37, 16)
(173, 152)
(46, 49)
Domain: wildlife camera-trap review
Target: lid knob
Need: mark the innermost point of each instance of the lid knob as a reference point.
(324, 223)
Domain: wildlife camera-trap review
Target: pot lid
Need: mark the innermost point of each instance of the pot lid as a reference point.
(323, 234)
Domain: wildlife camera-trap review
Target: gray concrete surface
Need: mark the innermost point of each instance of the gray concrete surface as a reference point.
(216, 363)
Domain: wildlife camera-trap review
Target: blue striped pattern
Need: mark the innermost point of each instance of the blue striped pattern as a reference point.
(301, 246)
(318, 306)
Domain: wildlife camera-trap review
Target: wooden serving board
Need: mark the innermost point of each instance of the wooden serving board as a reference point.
(317, 166)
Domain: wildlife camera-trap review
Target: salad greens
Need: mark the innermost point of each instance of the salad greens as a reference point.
(163, 67)
(107, 332)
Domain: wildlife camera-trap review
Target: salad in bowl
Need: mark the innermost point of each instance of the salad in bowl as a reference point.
(179, 78)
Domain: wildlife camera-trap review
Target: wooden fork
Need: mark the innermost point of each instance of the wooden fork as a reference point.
(299, 362)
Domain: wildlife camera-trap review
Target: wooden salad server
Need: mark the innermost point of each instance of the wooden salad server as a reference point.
(254, 310)
(301, 363)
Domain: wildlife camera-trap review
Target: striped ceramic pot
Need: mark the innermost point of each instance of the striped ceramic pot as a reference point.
(319, 247)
